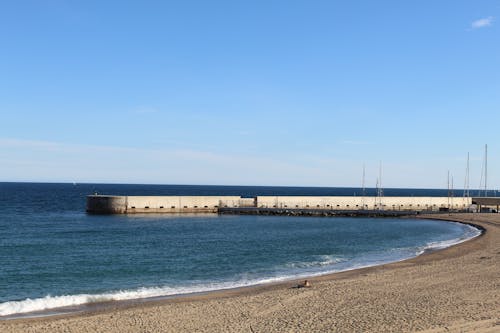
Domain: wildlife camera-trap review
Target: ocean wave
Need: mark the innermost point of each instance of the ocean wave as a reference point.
(471, 232)
(321, 261)
(53, 302)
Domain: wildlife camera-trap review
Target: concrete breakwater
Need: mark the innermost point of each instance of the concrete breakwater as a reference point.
(315, 212)
(110, 204)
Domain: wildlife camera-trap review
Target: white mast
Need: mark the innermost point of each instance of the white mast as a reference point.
(467, 180)
(380, 192)
(448, 185)
(451, 192)
(363, 192)
(486, 170)
(484, 174)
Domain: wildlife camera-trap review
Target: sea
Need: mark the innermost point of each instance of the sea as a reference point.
(55, 258)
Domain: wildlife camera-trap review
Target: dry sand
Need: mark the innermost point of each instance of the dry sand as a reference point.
(452, 290)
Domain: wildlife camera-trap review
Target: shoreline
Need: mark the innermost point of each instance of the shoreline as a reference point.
(480, 221)
(90, 307)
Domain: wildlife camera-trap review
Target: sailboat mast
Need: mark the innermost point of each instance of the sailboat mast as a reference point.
(467, 181)
(486, 170)
(380, 191)
(448, 185)
(451, 192)
(363, 189)
(483, 183)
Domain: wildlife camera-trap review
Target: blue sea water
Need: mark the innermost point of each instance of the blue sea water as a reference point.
(53, 254)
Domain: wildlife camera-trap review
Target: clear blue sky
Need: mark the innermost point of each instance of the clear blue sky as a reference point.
(249, 92)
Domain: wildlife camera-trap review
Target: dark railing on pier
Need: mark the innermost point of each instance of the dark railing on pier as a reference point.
(318, 212)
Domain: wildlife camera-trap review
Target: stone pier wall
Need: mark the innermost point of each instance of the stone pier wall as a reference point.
(108, 204)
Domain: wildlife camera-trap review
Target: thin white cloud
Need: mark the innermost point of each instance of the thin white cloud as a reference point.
(482, 23)
(52, 161)
(31, 160)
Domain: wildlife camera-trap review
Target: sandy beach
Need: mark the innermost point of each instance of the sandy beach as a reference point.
(452, 290)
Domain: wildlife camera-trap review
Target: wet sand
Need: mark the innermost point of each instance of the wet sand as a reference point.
(452, 290)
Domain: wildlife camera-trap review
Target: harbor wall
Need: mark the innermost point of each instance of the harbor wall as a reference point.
(158, 204)
(108, 204)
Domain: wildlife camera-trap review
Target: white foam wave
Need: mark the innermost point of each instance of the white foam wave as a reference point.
(53, 302)
(471, 232)
(322, 261)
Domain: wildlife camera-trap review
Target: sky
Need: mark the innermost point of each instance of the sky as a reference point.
(292, 93)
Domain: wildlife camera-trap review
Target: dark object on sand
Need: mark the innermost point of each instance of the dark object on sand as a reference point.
(306, 284)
